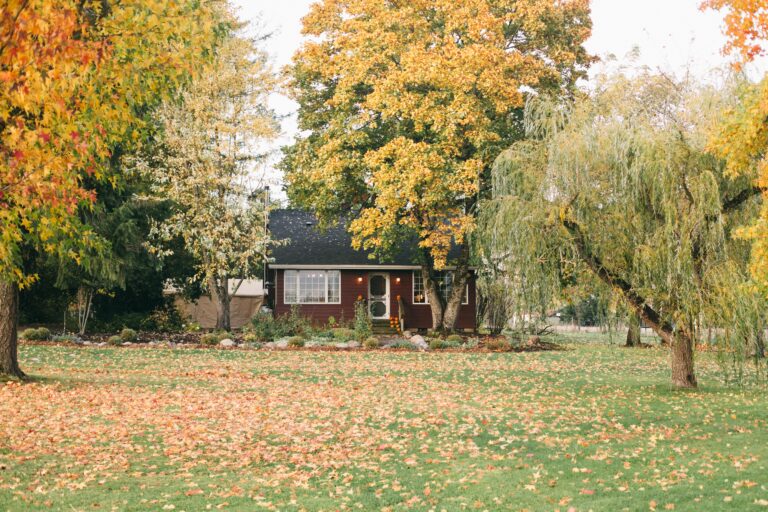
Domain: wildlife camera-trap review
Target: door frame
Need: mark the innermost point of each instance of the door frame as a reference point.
(387, 300)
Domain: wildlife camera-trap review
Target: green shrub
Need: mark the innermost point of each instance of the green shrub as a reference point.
(404, 344)
(295, 341)
(28, 334)
(331, 322)
(223, 335)
(40, 334)
(115, 340)
(372, 342)
(166, 318)
(249, 337)
(344, 334)
(325, 334)
(269, 328)
(454, 338)
(439, 344)
(128, 334)
(209, 339)
(363, 329)
(65, 338)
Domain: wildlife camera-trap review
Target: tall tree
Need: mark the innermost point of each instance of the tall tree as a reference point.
(743, 136)
(210, 140)
(73, 74)
(405, 105)
(620, 183)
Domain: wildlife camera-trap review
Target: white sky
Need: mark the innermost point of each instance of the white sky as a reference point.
(673, 35)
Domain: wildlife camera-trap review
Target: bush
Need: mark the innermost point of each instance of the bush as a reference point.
(498, 344)
(344, 334)
(115, 341)
(363, 329)
(249, 337)
(65, 338)
(128, 334)
(331, 322)
(209, 339)
(371, 342)
(164, 319)
(41, 334)
(223, 335)
(403, 344)
(295, 341)
(454, 338)
(439, 344)
(268, 328)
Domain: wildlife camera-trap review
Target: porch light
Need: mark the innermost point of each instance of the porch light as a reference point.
(359, 280)
(397, 280)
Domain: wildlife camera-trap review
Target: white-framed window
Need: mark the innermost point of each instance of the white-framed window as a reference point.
(444, 285)
(312, 287)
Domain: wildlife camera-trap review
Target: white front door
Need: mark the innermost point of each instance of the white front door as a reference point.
(378, 296)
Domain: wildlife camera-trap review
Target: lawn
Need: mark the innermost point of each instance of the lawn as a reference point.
(594, 427)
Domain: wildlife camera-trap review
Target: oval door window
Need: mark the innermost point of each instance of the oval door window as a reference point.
(378, 309)
(378, 286)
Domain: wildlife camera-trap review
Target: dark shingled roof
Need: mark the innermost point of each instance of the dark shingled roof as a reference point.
(310, 245)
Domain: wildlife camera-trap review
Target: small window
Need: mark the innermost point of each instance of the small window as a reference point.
(444, 285)
(312, 287)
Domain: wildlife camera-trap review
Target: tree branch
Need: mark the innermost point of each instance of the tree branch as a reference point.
(635, 300)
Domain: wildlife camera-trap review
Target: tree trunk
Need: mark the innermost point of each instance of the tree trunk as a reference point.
(633, 330)
(9, 314)
(434, 299)
(220, 295)
(682, 361)
(458, 288)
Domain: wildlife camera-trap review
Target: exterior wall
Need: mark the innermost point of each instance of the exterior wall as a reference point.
(417, 316)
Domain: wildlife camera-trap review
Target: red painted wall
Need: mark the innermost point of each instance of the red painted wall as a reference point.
(417, 316)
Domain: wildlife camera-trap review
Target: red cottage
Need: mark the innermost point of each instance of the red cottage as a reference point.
(320, 272)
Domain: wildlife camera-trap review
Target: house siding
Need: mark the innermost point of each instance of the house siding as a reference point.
(417, 316)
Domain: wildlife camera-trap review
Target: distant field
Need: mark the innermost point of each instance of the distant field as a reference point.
(592, 427)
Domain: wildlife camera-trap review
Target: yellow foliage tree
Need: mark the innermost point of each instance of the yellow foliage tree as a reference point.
(405, 105)
(743, 137)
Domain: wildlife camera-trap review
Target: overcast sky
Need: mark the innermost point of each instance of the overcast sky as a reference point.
(673, 35)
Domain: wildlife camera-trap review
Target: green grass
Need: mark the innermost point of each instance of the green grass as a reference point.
(593, 427)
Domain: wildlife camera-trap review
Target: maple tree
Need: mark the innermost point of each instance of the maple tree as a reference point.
(743, 135)
(76, 79)
(620, 184)
(203, 165)
(405, 105)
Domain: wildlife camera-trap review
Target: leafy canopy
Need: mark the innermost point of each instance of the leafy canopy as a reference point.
(75, 80)
(406, 104)
(202, 164)
(620, 184)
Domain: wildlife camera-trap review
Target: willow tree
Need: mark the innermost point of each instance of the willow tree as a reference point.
(404, 105)
(619, 184)
(203, 164)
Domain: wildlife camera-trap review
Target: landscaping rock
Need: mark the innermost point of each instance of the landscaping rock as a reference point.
(407, 335)
(419, 342)
(127, 344)
(227, 343)
(341, 345)
(354, 344)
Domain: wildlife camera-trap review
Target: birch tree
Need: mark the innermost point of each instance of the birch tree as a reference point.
(211, 138)
(620, 184)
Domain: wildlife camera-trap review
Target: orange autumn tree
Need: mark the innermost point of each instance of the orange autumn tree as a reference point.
(404, 105)
(743, 137)
(76, 77)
